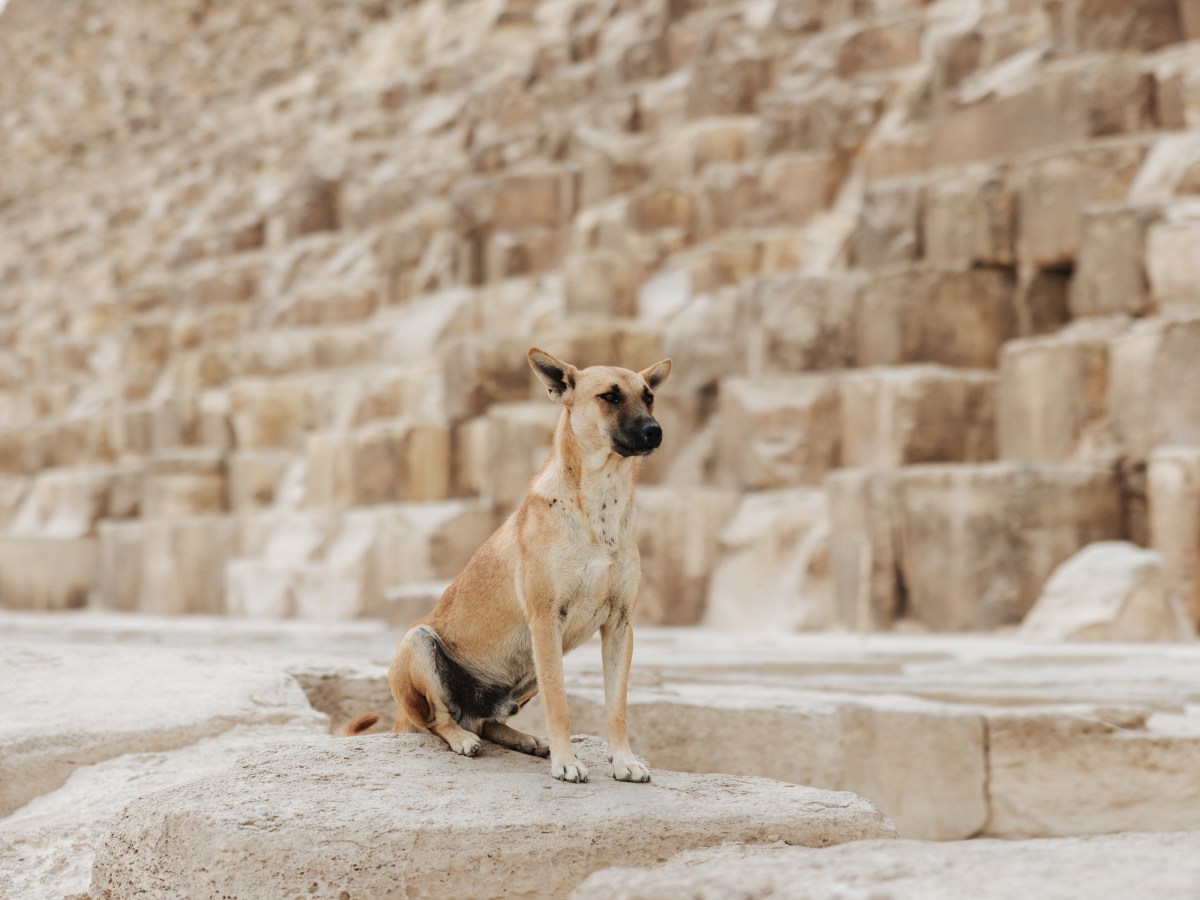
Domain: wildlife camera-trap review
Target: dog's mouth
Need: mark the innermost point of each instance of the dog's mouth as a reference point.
(624, 449)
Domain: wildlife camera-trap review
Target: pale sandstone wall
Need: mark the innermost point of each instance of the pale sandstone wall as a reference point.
(268, 272)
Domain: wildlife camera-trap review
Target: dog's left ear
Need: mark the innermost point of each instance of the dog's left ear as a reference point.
(657, 373)
(556, 375)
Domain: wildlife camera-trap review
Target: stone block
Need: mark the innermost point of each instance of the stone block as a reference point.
(969, 218)
(772, 564)
(1054, 190)
(424, 542)
(797, 186)
(1044, 769)
(119, 586)
(1174, 495)
(888, 230)
(977, 542)
(917, 414)
(47, 573)
(725, 87)
(307, 783)
(65, 503)
(269, 414)
(598, 342)
(1110, 277)
(779, 431)
(183, 565)
(480, 371)
(864, 548)
(678, 531)
(1100, 25)
(793, 323)
(537, 198)
(182, 495)
(602, 283)
(405, 603)
(1154, 385)
(512, 447)
(1108, 591)
(1039, 424)
(383, 462)
(1171, 263)
(927, 315)
(255, 476)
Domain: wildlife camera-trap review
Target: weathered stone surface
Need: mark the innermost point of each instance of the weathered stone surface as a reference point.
(284, 803)
(1174, 489)
(864, 548)
(788, 323)
(1040, 423)
(47, 573)
(917, 414)
(1108, 591)
(969, 219)
(1170, 263)
(977, 542)
(772, 564)
(1109, 867)
(1110, 277)
(779, 431)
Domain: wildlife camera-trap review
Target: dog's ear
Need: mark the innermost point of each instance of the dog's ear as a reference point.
(657, 373)
(556, 375)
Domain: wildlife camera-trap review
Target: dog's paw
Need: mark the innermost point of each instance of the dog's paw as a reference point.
(572, 770)
(534, 746)
(627, 767)
(467, 745)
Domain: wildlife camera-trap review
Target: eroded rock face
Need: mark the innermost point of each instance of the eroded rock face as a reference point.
(1108, 591)
(399, 815)
(1110, 867)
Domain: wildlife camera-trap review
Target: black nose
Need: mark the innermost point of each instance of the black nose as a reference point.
(652, 434)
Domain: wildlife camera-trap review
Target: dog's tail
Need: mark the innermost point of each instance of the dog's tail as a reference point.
(359, 725)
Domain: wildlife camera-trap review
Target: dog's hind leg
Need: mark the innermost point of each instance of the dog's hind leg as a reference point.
(499, 733)
(423, 696)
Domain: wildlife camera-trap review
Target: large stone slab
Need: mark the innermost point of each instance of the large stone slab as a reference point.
(1111, 867)
(399, 815)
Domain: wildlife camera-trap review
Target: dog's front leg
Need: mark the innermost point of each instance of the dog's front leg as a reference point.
(616, 638)
(547, 660)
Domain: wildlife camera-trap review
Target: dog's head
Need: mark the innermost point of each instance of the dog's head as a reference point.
(610, 408)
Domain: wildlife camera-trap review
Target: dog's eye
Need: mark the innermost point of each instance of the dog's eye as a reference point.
(611, 397)
(648, 397)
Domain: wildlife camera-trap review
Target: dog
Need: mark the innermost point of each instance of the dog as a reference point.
(563, 566)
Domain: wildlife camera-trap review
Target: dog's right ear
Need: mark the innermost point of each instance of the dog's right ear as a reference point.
(556, 375)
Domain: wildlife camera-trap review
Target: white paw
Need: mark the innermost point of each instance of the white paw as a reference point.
(627, 767)
(572, 770)
(467, 745)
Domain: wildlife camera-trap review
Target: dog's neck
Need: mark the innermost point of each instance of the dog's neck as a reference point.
(599, 484)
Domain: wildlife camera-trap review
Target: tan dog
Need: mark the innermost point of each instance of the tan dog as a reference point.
(563, 565)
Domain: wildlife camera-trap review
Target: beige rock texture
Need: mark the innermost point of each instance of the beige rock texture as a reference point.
(1106, 868)
(1174, 489)
(1108, 591)
(288, 818)
(286, 261)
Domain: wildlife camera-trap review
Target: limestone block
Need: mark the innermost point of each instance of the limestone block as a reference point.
(772, 564)
(968, 218)
(1111, 867)
(1154, 385)
(312, 205)
(678, 531)
(655, 208)
(480, 371)
(888, 231)
(1174, 489)
(779, 431)
(1110, 277)
(119, 585)
(1174, 272)
(47, 573)
(602, 283)
(1040, 423)
(182, 495)
(978, 541)
(405, 603)
(926, 315)
(598, 342)
(1044, 771)
(725, 87)
(424, 542)
(678, 156)
(269, 414)
(309, 783)
(790, 323)
(383, 462)
(513, 446)
(538, 198)
(65, 503)
(1054, 190)
(864, 548)
(797, 186)
(916, 414)
(192, 421)
(317, 304)
(1108, 591)
(1091, 25)
(254, 477)
(183, 565)
(511, 254)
